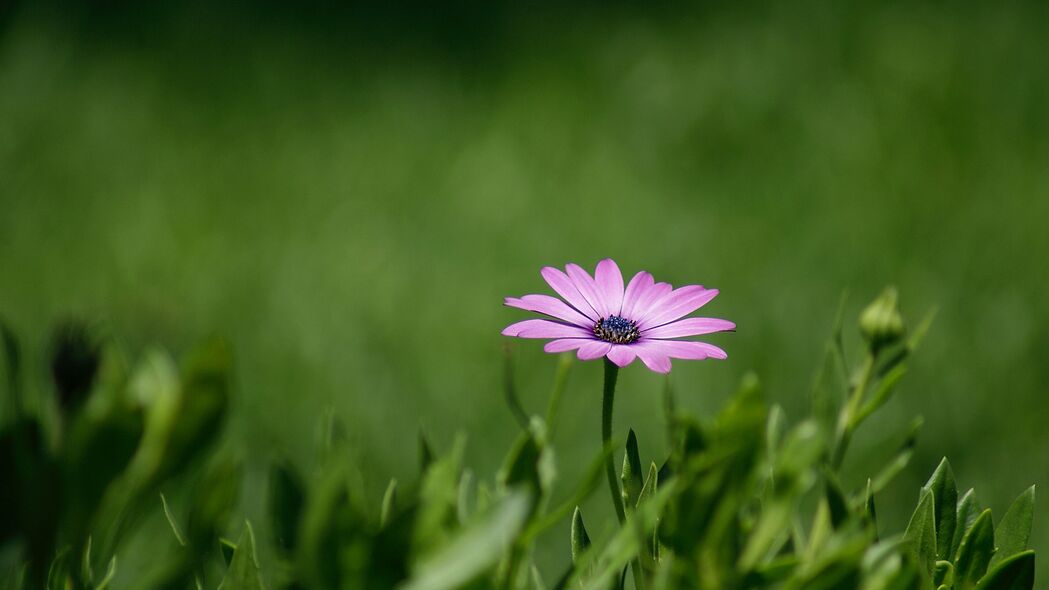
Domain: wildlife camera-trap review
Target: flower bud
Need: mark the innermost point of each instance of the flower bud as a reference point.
(881, 323)
(75, 355)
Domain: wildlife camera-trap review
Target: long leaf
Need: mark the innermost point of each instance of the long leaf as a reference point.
(921, 531)
(1014, 573)
(475, 549)
(1014, 530)
(243, 572)
(945, 494)
(975, 552)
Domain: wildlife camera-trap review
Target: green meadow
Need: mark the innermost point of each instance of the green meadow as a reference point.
(345, 195)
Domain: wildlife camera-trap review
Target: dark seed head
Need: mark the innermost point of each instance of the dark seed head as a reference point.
(616, 330)
(74, 361)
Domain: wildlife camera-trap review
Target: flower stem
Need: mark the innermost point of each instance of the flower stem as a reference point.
(611, 374)
(846, 422)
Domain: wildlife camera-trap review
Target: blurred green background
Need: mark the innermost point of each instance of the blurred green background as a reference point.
(347, 193)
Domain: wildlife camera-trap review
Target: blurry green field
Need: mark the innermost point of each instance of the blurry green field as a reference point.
(348, 197)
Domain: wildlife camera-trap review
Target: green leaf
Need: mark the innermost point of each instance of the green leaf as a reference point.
(968, 510)
(87, 575)
(111, 571)
(590, 482)
(580, 538)
(631, 476)
(886, 569)
(537, 579)
(287, 497)
(462, 500)
(900, 460)
(522, 464)
(870, 513)
(426, 454)
(243, 571)
(59, 572)
(921, 531)
(216, 497)
(184, 415)
(882, 394)
(836, 501)
(439, 498)
(974, 554)
(945, 494)
(1014, 530)
(624, 546)
(774, 431)
(205, 385)
(918, 334)
(831, 383)
(326, 517)
(475, 549)
(172, 521)
(1013, 573)
(227, 548)
(389, 498)
(651, 483)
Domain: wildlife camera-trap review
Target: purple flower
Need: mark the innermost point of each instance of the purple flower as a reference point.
(596, 316)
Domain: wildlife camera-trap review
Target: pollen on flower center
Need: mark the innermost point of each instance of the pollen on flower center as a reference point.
(616, 330)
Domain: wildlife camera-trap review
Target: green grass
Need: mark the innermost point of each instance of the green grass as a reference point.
(347, 198)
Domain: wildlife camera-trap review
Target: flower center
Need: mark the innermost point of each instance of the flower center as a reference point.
(616, 330)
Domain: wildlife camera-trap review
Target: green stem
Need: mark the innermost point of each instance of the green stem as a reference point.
(852, 406)
(611, 374)
(607, 400)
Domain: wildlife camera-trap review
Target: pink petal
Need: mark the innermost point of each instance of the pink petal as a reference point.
(648, 298)
(551, 306)
(587, 288)
(593, 349)
(654, 360)
(544, 329)
(681, 349)
(609, 282)
(563, 285)
(621, 354)
(689, 327)
(678, 304)
(564, 344)
(641, 282)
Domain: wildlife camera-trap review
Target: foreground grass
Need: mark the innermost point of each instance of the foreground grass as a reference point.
(746, 499)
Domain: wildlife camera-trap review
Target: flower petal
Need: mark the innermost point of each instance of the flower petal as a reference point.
(648, 299)
(609, 282)
(551, 306)
(563, 285)
(641, 282)
(621, 354)
(654, 360)
(564, 344)
(681, 349)
(587, 288)
(678, 304)
(594, 349)
(689, 327)
(544, 329)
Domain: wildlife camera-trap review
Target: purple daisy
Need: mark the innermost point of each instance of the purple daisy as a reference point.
(598, 317)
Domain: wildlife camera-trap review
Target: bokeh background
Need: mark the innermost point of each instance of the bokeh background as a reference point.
(347, 193)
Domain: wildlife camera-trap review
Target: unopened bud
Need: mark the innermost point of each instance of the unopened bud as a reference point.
(881, 323)
(75, 354)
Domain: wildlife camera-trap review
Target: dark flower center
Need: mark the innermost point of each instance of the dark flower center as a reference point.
(616, 330)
